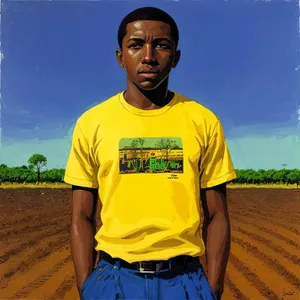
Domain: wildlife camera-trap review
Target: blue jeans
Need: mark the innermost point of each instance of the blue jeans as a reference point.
(109, 282)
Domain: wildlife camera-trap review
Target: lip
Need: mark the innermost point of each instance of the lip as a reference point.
(148, 74)
(148, 71)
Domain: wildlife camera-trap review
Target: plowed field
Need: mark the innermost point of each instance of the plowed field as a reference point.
(35, 260)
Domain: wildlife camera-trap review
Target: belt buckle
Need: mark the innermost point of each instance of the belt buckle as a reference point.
(158, 267)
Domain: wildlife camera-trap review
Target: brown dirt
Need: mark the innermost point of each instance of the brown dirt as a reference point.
(35, 260)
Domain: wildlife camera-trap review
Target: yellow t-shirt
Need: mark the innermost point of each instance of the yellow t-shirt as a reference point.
(148, 166)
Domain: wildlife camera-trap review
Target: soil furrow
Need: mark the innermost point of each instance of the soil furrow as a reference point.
(37, 256)
(234, 289)
(4, 258)
(29, 228)
(275, 213)
(252, 277)
(293, 258)
(64, 288)
(277, 267)
(32, 218)
(275, 222)
(240, 281)
(266, 230)
(22, 279)
(42, 279)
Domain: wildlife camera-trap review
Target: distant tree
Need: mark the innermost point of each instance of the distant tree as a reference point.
(53, 175)
(249, 176)
(37, 161)
(283, 173)
(259, 177)
(270, 176)
(3, 172)
(294, 177)
(14, 174)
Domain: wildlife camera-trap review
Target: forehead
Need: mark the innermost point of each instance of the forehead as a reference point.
(147, 27)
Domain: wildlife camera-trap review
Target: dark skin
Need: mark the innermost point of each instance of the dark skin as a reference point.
(83, 230)
(149, 47)
(216, 234)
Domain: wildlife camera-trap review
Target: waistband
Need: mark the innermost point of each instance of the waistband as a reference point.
(151, 266)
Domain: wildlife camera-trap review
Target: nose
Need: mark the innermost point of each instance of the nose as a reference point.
(148, 55)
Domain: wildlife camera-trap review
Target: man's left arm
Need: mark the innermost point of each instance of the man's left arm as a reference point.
(216, 169)
(216, 235)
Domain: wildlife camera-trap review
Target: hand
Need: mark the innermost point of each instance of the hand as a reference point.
(218, 294)
(218, 290)
(80, 282)
(79, 288)
(81, 278)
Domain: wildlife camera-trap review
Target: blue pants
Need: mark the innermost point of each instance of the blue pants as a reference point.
(109, 282)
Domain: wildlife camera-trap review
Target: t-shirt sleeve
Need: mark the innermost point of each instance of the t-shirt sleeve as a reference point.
(81, 169)
(216, 165)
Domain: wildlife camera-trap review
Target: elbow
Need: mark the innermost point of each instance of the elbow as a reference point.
(79, 223)
(76, 226)
(224, 222)
(220, 217)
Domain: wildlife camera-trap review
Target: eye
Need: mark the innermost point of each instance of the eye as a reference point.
(163, 46)
(136, 45)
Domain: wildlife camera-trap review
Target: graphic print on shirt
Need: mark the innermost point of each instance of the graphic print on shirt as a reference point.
(150, 155)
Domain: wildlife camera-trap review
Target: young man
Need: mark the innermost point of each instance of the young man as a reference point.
(152, 155)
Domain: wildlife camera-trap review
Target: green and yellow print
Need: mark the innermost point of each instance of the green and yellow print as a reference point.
(151, 155)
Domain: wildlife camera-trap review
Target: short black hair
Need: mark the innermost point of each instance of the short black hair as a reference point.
(151, 14)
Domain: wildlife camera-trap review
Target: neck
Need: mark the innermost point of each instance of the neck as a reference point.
(152, 99)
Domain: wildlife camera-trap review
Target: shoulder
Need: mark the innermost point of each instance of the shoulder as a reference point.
(199, 113)
(92, 118)
(99, 110)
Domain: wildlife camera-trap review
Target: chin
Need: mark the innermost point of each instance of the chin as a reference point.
(148, 85)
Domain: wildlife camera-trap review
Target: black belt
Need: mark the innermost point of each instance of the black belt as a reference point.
(151, 266)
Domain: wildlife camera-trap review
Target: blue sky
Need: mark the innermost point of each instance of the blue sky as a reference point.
(239, 58)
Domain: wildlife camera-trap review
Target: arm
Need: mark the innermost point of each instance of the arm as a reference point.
(216, 235)
(216, 170)
(82, 232)
(81, 172)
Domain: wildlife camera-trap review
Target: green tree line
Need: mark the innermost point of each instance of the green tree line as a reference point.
(33, 174)
(283, 176)
(29, 175)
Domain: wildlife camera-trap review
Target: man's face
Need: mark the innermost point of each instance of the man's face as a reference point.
(148, 53)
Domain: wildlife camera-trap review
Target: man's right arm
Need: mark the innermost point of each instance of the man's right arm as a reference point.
(81, 172)
(83, 227)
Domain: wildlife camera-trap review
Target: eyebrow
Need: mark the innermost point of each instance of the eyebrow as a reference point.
(157, 40)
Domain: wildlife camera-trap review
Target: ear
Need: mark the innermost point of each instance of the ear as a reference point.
(176, 58)
(119, 56)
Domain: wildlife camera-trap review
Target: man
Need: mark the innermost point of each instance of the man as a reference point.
(152, 155)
